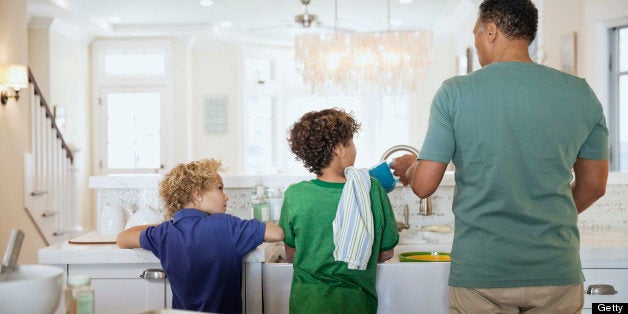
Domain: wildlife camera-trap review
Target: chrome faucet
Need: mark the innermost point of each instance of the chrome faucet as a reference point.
(406, 215)
(425, 205)
(398, 148)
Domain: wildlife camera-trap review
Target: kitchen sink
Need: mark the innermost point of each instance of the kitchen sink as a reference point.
(401, 287)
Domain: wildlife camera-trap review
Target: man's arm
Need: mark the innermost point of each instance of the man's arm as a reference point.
(273, 232)
(425, 176)
(589, 183)
(130, 238)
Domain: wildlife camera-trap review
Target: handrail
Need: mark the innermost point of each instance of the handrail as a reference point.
(49, 114)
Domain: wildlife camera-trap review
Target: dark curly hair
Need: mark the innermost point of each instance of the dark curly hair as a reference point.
(515, 18)
(313, 138)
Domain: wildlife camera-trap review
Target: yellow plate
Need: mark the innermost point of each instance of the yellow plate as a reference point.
(425, 257)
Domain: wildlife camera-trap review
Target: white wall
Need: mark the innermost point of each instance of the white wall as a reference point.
(444, 66)
(183, 108)
(38, 48)
(69, 87)
(15, 135)
(216, 71)
(559, 21)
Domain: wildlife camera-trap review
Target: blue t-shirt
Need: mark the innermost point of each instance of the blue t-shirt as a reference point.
(202, 256)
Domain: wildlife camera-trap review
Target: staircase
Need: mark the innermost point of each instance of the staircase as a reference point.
(49, 175)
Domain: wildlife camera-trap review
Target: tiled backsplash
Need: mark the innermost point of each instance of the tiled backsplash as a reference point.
(611, 211)
(608, 212)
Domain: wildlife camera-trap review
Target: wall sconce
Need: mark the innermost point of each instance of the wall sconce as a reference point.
(15, 77)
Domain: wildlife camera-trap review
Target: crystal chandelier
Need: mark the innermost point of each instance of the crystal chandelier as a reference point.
(364, 63)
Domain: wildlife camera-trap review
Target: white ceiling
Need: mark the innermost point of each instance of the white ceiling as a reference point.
(262, 20)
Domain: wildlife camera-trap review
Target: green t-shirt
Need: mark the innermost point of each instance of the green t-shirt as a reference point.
(320, 284)
(514, 131)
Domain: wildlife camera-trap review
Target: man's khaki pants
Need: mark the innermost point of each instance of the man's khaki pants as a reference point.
(540, 299)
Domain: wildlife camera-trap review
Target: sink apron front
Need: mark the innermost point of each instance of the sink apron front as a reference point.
(401, 287)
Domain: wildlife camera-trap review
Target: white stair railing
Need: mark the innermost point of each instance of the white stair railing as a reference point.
(49, 175)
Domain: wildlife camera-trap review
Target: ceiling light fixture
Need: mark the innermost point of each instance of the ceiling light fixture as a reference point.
(364, 63)
(206, 3)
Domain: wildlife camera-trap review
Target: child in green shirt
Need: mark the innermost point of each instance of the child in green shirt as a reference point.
(323, 141)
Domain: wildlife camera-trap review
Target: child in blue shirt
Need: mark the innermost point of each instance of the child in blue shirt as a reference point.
(200, 247)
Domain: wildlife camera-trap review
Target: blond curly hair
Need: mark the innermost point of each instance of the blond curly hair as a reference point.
(177, 187)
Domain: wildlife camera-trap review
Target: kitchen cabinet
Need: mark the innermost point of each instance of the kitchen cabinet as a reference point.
(615, 277)
(116, 280)
(120, 288)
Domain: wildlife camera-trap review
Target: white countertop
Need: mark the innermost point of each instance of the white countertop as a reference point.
(600, 248)
(67, 253)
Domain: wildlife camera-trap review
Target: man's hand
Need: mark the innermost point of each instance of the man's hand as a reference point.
(401, 164)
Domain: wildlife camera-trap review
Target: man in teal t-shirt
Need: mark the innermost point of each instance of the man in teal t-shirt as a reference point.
(514, 131)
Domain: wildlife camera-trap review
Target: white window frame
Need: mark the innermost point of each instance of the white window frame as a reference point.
(269, 88)
(102, 115)
(104, 83)
(614, 111)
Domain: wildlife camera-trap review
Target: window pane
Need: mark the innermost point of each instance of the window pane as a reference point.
(120, 156)
(623, 50)
(623, 124)
(154, 64)
(118, 130)
(120, 105)
(394, 124)
(145, 134)
(259, 150)
(114, 64)
(260, 107)
(147, 155)
(134, 130)
(260, 145)
(145, 104)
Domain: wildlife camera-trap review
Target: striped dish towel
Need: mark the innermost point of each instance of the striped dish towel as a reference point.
(353, 225)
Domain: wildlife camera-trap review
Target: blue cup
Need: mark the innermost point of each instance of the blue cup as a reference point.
(381, 172)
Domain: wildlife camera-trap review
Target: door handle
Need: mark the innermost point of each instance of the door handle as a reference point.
(153, 273)
(601, 290)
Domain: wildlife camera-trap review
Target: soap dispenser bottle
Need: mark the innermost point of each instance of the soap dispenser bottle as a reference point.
(259, 203)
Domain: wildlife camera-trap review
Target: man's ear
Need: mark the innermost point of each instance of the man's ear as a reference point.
(491, 31)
